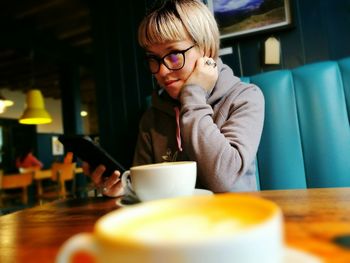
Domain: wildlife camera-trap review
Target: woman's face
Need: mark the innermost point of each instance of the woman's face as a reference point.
(173, 80)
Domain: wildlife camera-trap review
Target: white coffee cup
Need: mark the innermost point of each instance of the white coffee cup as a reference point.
(160, 180)
(199, 229)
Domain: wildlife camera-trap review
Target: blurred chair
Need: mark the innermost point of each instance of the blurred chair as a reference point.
(68, 158)
(60, 174)
(10, 182)
(38, 176)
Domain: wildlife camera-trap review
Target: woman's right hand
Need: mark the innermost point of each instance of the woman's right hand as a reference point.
(204, 74)
(111, 186)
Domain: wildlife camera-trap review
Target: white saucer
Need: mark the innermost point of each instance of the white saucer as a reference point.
(128, 200)
(293, 255)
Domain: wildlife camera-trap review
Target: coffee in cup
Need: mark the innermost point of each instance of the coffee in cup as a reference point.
(160, 180)
(199, 229)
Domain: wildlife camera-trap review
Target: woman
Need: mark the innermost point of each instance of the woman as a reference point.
(201, 112)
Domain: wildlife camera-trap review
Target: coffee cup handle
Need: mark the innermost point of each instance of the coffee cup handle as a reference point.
(79, 248)
(128, 190)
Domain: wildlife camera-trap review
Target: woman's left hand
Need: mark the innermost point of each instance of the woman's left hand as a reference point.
(205, 73)
(111, 186)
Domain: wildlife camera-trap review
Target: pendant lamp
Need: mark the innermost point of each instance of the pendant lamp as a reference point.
(4, 103)
(35, 112)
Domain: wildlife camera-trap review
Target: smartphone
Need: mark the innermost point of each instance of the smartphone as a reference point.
(92, 153)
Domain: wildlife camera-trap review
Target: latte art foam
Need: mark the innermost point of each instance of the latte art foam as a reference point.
(184, 228)
(185, 220)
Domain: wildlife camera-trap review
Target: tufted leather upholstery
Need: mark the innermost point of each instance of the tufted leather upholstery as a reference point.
(306, 135)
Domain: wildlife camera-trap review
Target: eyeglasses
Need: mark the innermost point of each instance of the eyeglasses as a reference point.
(175, 60)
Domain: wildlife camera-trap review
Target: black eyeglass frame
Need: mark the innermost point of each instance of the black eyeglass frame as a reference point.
(162, 61)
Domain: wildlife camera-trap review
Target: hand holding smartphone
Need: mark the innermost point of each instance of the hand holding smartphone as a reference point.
(92, 153)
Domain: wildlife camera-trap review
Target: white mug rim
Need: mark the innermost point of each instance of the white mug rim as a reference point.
(162, 165)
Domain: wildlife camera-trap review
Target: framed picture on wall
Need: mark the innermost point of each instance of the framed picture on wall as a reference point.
(57, 146)
(238, 18)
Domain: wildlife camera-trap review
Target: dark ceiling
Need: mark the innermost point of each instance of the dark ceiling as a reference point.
(38, 38)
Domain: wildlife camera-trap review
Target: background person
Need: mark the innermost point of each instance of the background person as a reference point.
(26, 159)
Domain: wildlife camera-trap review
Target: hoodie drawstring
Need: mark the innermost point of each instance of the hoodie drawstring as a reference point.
(178, 134)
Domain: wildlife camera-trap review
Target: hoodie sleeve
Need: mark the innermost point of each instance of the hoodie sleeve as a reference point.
(143, 152)
(224, 152)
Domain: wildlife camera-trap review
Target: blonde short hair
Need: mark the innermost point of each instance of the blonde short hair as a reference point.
(177, 20)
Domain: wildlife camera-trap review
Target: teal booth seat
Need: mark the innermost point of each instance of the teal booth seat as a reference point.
(306, 136)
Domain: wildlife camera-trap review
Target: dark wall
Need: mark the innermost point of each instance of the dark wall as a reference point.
(44, 149)
(16, 137)
(319, 32)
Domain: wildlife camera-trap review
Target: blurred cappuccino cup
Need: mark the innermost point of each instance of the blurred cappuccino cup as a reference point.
(199, 229)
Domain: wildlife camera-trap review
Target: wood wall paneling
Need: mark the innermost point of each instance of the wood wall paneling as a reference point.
(337, 14)
(120, 84)
(71, 99)
(313, 25)
(319, 31)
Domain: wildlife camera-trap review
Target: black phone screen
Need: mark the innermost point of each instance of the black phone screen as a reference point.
(92, 153)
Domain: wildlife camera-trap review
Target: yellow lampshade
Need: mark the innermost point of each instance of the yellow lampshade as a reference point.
(35, 112)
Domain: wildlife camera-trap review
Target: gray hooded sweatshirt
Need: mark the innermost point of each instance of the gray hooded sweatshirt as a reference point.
(220, 129)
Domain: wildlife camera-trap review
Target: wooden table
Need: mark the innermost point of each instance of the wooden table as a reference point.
(39, 176)
(313, 218)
